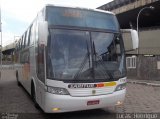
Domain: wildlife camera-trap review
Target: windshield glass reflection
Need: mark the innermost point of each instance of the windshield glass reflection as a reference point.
(74, 54)
(68, 49)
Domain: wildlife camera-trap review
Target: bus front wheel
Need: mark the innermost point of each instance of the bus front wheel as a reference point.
(33, 94)
(18, 83)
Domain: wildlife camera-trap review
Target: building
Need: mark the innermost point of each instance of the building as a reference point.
(1, 54)
(145, 62)
(8, 53)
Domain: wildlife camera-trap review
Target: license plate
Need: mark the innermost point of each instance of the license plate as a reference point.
(93, 102)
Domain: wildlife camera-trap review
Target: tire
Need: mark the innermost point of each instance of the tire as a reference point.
(18, 83)
(34, 96)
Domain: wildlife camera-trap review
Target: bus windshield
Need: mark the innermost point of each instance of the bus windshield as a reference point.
(75, 54)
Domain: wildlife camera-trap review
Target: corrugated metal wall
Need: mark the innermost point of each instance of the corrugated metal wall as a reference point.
(149, 42)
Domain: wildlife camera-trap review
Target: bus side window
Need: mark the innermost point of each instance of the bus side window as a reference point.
(40, 49)
(40, 63)
(20, 44)
(32, 38)
(24, 41)
(19, 47)
(29, 36)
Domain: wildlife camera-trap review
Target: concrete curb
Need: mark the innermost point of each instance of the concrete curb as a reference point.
(144, 83)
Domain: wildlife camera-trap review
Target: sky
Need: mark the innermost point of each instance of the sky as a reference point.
(16, 15)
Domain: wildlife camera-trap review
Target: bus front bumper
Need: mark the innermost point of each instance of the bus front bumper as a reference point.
(66, 103)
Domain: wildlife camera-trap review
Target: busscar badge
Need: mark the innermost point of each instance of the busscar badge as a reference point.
(93, 92)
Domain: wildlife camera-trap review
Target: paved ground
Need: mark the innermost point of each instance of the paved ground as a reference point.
(13, 99)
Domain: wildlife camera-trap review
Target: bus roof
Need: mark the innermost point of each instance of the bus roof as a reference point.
(65, 6)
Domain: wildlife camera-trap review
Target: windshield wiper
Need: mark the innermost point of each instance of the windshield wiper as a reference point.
(104, 70)
(83, 62)
(81, 66)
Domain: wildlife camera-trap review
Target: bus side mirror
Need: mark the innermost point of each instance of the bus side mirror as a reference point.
(130, 39)
(42, 32)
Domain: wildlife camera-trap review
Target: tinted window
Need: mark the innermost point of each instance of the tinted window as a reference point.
(21, 40)
(67, 52)
(19, 44)
(32, 38)
(81, 18)
(27, 33)
(24, 40)
(29, 36)
(40, 63)
(85, 55)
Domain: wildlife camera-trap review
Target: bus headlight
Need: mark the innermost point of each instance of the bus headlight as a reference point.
(120, 87)
(57, 90)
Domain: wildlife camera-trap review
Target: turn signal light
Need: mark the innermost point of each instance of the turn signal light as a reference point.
(55, 109)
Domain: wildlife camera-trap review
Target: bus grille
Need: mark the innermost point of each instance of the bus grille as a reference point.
(91, 92)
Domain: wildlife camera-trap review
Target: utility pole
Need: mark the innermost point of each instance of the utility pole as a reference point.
(150, 7)
(1, 33)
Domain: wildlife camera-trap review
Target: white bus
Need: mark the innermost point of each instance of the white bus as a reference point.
(72, 59)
